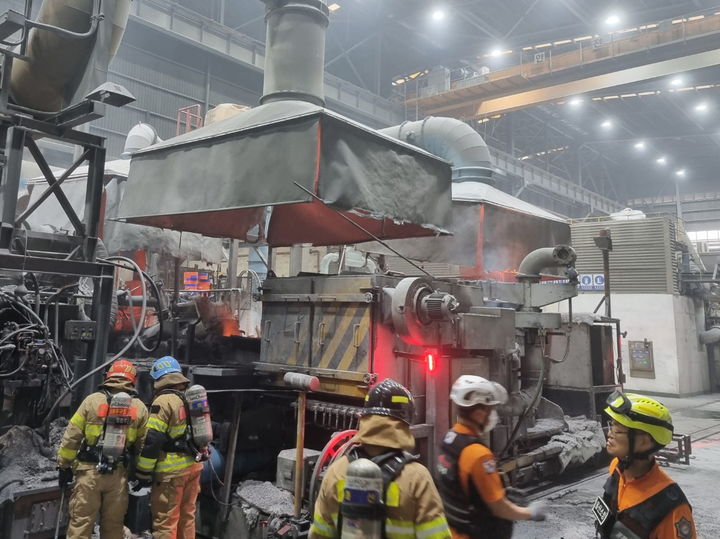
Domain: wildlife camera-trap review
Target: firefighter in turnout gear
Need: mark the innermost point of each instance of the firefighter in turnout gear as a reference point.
(639, 499)
(470, 485)
(411, 506)
(105, 431)
(170, 462)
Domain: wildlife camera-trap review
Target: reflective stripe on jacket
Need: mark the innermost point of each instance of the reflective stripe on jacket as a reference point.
(167, 421)
(414, 509)
(87, 424)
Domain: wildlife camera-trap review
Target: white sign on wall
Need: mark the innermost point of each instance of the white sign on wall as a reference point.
(591, 282)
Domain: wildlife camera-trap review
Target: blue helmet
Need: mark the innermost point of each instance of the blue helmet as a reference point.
(164, 365)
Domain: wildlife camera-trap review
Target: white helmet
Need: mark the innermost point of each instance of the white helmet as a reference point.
(469, 390)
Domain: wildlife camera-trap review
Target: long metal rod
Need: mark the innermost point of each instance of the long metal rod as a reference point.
(230, 456)
(299, 456)
(60, 512)
(366, 231)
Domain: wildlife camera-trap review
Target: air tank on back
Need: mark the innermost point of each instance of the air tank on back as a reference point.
(61, 70)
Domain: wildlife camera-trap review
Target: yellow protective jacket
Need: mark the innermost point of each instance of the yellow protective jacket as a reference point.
(87, 424)
(168, 420)
(414, 508)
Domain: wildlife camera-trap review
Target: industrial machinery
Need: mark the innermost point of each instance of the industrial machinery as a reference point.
(334, 182)
(330, 182)
(56, 295)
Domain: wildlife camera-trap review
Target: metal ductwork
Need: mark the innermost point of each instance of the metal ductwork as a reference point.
(711, 336)
(140, 136)
(321, 173)
(451, 139)
(295, 50)
(547, 257)
(69, 49)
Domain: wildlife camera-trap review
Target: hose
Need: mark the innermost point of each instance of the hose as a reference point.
(20, 367)
(109, 361)
(156, 293)
(95, 18)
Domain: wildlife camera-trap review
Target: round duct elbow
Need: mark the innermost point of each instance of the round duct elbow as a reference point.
(711, 336)
(547, 257)
(454, 141)
(139, 137)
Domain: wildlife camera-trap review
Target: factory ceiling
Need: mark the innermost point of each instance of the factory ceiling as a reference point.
(623, 142)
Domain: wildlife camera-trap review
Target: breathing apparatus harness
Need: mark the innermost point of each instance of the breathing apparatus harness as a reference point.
(185, 443)
(94, 453)
(391, 464)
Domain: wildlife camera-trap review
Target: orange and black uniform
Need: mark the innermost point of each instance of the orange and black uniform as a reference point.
(468, 481)
(651, 506)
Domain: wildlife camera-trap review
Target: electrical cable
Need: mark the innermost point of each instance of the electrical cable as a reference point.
(109, 361)
(156, 292)
(15, 302)
(20, 367)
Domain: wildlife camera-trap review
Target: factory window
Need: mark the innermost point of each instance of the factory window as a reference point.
(705, 240)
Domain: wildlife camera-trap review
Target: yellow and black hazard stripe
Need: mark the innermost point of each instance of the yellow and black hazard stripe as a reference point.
(342, 338)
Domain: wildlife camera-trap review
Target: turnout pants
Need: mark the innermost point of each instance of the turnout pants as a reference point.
(172, 502)
(93, 493)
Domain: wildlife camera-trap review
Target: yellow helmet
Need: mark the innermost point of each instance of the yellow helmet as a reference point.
(641, 413)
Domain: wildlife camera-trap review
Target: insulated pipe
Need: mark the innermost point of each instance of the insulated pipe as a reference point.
(547, 257)
(295, 50)
(57, 63)
(451, 139)
(711, 336)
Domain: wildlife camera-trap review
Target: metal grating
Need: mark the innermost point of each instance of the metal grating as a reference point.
(643, 259)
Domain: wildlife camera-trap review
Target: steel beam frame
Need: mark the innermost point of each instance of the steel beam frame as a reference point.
(560, 91)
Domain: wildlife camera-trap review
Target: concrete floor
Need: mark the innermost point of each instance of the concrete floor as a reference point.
(569, 512)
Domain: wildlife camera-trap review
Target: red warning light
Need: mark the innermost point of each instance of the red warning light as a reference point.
(430, 360)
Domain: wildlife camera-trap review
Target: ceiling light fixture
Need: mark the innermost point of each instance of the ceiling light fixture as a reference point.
(607, 124)
(613, 19)
(334, 7)
(438, 15)
(575, 101)
(701, 107)
(496, 52)
(676, 82)
(640, 145)
(680, 173)
(662, 160)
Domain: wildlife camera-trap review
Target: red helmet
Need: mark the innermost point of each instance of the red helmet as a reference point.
(123, 369)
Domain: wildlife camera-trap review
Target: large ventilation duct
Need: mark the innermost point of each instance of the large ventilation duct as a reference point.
(481, 212)
(561, 256)
(451, 139)
(140, 136)
(316, 169)
(63, 67)
(295, 50)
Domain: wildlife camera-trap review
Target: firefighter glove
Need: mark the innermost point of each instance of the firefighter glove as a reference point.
(65, 477)
(537, 510)
(140, 487)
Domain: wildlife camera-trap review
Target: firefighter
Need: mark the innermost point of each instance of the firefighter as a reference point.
(107, 428)
(470, 485)
(411, 505)
(170, 462)
(639, 499)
